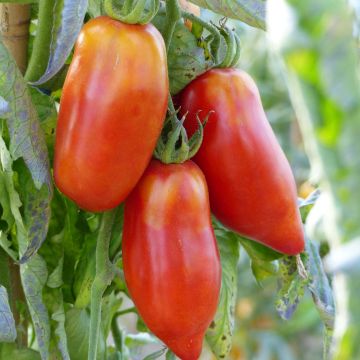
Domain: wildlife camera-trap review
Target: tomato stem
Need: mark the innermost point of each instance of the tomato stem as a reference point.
(173, 15)
(41, 47)
(215, 34)
(103, 278)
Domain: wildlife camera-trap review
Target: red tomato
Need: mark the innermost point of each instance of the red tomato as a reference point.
(171, 261)
(251, 186)
(111, 113)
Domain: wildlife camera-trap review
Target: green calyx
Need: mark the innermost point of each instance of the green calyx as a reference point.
(233, 47)
(132, 12)
(174, 146)
(216, 35)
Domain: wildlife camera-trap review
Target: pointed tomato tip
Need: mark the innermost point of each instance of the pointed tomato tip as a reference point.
(187, 348)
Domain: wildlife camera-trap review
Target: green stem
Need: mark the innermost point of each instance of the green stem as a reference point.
(117, 335)
(231, 46)
(126, 311)
(41, 47)
(103, 278)
(173, 15)
(215, 43)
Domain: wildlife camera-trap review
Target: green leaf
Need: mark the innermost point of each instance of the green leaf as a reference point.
(186, 60)
(307, 204)
(219, 334)
(85, 272)
(252, 12)
(263, 269)
(95, 8)
(36, 213)
(139, 339)
(47, 113)
(258, 251)
(77, 326)
(33, 278)
(7, 322)
(59, 317)
(155, 355)
(10, 351)
(10, 201)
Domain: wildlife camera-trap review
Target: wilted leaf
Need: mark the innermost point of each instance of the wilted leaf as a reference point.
(321, 291)
(292, 287)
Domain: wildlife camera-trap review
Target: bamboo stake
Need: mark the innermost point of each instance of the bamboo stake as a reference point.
(14, 29)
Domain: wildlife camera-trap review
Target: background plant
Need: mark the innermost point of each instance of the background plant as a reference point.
(308, 75)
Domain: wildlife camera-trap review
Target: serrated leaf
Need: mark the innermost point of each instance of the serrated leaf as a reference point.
(68, 20)
(33, 278)
(219, 334)
(292, 287)
(7, 322)
(252, 12)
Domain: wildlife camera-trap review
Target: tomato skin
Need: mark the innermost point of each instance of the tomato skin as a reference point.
(112, 110)
(170, 256)
(251, 187)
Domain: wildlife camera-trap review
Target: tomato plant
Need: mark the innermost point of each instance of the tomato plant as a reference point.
(141, 173)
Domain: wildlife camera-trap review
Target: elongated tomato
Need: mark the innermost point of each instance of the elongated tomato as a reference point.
(112, 110)
(171, 261)
(251, 186)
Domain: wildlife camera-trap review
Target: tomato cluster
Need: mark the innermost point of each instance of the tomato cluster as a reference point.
(112, 111)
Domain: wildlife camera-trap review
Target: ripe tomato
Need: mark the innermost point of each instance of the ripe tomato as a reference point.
(111, 113)
(251, 186)
(171, 261)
